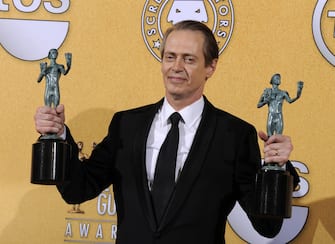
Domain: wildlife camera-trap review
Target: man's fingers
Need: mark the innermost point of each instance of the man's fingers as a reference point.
(263, 136)
(60, 109)
(48, 120)
(277, 149)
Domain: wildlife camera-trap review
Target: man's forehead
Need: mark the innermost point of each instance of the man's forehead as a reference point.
(184, 40)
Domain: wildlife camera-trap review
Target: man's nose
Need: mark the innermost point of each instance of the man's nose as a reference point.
(178, 65)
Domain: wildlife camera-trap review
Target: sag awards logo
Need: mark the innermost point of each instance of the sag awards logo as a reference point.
(31, 40)
(100, 228)
(158, 15)
(323, 29)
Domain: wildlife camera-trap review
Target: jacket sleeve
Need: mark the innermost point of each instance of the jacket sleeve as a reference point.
(88, 178)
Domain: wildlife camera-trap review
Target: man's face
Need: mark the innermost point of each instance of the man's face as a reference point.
(183, 66)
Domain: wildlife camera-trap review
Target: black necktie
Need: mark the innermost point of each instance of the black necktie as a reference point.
(164, 179)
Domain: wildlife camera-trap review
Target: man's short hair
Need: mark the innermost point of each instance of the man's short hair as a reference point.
(210, 49)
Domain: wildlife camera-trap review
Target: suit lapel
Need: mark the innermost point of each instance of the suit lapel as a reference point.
(193, 163)
(140, 141)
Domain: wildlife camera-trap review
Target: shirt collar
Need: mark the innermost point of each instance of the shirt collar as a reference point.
(190, 113)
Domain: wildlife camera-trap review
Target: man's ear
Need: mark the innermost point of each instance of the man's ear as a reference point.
(211, 68)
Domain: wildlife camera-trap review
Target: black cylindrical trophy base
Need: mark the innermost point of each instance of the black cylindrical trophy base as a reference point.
(273, 194)
(49, 161)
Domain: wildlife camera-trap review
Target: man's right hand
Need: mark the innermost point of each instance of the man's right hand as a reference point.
(50, 120)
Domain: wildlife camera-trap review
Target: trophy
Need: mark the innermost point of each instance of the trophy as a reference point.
(51, 153)
(274, 185)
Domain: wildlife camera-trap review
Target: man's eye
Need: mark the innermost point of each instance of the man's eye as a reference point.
(169, 57)
(189, 60)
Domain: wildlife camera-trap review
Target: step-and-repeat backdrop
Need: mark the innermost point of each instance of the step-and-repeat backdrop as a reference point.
(116, 66)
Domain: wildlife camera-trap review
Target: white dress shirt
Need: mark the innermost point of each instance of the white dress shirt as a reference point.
(191, 116)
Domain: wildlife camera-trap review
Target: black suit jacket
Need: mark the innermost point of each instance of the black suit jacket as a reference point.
(219, 170)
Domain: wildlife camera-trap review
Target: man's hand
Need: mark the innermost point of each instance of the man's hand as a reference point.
(50, 120)
(277, 148)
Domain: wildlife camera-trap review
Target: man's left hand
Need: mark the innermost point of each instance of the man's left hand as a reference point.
(277, 148)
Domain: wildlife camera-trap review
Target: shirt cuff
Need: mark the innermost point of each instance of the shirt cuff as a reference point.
(63, 135)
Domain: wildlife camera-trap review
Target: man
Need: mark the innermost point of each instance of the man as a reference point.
(218, 154)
